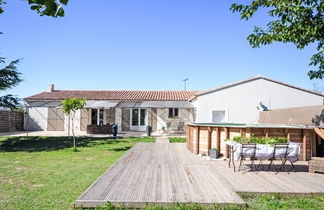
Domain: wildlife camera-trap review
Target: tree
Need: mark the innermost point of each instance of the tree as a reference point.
(300, 22)
(53, 8)
(70, 106)
(9, 78)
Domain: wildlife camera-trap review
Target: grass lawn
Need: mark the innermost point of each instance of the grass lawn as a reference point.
(177, 139)
(44, 172)
(255, 201)
(283, 201)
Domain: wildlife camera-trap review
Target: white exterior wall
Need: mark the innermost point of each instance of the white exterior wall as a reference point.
(36, 120)
(76, 122)
(240, 101)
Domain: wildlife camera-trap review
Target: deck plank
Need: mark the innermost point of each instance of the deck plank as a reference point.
(162, 172)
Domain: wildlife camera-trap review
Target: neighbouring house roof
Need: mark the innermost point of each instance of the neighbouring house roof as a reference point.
(124, 95)
(249, 80)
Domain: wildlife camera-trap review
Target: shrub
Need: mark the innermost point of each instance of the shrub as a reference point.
(259, 140)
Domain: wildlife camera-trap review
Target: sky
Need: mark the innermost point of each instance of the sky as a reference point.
(143, 45)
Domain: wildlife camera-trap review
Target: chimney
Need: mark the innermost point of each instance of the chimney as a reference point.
(50, 88)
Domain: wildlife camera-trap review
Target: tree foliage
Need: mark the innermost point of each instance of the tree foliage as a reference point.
(300, 22)
(69, 107)
(53, 8)
(9, 78)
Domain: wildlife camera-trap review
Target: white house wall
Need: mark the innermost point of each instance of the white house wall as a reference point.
(36, 120)
(240, 102)
(76, 122)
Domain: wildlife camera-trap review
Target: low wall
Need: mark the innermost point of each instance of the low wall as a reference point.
(11, 121)
(201, 138)
(308, 115)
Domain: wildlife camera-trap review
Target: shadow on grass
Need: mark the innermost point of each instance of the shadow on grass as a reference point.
(38, 144)
(119, 149)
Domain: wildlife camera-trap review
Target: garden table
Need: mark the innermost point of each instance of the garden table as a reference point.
(264, 152)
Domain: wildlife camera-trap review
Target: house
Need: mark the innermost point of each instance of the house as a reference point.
(241, 102)
(131, 110)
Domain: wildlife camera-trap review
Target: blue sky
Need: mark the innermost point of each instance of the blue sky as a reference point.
(142, 44)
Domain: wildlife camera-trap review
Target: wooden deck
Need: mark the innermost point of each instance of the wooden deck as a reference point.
(161, 173)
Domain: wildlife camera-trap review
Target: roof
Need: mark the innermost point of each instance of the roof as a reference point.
(142, 95)
(252, 79)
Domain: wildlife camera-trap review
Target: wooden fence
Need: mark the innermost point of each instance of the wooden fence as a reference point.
(11, 121)
(201, 138)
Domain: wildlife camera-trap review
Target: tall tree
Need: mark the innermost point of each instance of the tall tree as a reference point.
(300, 22)
(53, 8)
(9, 78)
(70, 106)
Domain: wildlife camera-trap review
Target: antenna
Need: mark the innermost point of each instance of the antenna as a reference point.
(185, 83)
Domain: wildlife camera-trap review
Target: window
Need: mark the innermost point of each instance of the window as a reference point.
(173, 112)
(218, 116)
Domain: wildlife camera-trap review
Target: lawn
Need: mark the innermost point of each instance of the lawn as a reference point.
(44, 172)
(254, 201)
(177, 139)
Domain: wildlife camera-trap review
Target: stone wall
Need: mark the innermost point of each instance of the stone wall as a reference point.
(110, 116)
(175, 124)
(11, 121)
(125, 119)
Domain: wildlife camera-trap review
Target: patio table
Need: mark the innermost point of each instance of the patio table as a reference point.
(264, 152)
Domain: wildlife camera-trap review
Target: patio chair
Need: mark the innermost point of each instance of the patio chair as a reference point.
(280, 152)
(248, 151)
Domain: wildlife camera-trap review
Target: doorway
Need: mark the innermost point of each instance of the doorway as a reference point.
(138, 119)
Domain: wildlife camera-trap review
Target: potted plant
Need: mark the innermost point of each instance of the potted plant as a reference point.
(213, 153)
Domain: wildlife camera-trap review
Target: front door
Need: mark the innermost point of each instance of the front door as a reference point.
(138, 119)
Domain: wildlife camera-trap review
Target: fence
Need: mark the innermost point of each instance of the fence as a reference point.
(11, 121)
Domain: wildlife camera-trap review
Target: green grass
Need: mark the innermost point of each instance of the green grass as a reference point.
(283, 201)
(254, 201)
(177, 139)
(45, 173)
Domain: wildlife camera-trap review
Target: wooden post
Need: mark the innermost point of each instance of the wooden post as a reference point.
(304, 145)
(209, 138)
(248, 132)
(227, 132)
(197, 139)
(288, 135)
(218, 141)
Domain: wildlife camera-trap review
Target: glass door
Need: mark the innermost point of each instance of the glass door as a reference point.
(138, 119)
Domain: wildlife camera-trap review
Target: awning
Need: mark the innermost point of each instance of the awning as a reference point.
(56, 104)
(157, 104)
(100, 104)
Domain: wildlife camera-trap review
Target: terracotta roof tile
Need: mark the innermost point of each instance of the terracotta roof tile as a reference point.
(147, 95)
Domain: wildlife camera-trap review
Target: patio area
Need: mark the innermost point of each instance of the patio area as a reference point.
(161, 173)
